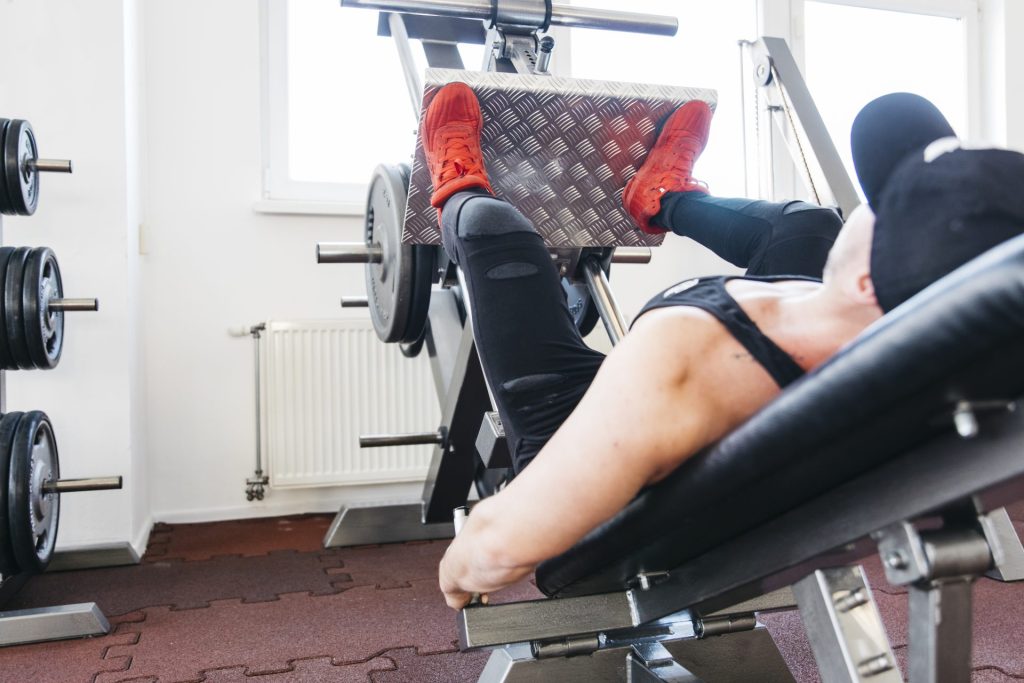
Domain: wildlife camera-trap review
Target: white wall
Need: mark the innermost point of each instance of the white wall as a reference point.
(79, 94)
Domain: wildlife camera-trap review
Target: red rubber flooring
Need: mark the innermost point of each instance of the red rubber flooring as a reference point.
(258, 601)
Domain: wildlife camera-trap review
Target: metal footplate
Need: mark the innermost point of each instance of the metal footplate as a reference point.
(559, 149)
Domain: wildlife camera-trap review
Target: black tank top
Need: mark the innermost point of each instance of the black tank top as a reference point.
(709, 294)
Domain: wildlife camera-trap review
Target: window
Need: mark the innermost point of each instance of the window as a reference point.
(704, 53)
(854, 53)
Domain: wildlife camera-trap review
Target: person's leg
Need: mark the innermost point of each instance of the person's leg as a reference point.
(532, 355)
(537, 365)
(766, 238)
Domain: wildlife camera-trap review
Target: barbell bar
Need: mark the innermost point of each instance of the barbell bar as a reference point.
(355, 302)
(49, 165)
(560, 15)
(357, 252)
(348, 252)
(81, 485)
(75, 305)
(411, 439)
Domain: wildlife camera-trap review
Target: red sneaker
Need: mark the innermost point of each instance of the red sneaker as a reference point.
(669, 165)
(451, 143)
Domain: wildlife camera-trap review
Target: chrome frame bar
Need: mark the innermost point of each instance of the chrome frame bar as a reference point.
(561, 15)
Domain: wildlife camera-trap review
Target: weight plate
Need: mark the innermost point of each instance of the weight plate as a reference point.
(5, 200)
(33, 514)
(22, 182)
(44, 329)
(14, 318)
(8, 423)
(389, 284)
(6, 361)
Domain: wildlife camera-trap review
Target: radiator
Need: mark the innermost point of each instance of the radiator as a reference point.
(325, 383)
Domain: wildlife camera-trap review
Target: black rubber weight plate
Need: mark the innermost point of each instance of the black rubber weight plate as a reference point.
(22, 185)
(33, 515)
(389, 284)
(8, 423)
(6, 361)
(5, 198)
(44, 329)
(14, 318)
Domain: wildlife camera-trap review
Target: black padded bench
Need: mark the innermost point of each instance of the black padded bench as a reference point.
(913, 422)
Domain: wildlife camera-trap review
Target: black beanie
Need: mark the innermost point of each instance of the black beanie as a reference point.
(937, 211)
(886, 130)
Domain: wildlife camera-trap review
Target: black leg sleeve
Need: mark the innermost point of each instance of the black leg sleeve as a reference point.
(535, 361)
(766, 238)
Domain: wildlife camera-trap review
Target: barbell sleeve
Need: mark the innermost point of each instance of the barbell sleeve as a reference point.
(79, 485)
(49, 165)
(74, 304)
(638, 255)
(348, 252)
(355, 302)
(414, 439)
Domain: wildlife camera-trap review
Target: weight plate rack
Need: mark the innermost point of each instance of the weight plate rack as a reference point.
(32, 308)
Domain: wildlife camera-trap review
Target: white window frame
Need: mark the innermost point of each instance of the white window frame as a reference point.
(280, 193)
(785, 19)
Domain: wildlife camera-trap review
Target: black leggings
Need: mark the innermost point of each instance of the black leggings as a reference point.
(535, 361)
(766, 238)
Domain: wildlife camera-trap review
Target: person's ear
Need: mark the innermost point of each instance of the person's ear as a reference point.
(864, 290)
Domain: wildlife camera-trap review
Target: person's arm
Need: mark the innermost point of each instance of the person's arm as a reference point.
(641, 417)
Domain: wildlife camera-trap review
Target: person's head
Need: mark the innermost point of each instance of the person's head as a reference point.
(847, 274)
(937, 204)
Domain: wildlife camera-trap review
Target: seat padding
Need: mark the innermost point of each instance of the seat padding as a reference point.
(893, 387)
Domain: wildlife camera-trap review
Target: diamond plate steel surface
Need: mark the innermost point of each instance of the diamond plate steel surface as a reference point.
(560, 149)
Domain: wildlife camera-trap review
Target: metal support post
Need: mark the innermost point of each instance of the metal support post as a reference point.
(939, 566)
(845, 628)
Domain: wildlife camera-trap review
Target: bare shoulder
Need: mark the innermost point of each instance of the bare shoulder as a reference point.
(679, 332)
(720, 374)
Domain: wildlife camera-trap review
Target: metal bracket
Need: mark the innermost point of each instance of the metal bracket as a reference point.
(652, 663)
(845, 628)
(940, 567)
(52, 623)
(1006, 546)
(491, 445)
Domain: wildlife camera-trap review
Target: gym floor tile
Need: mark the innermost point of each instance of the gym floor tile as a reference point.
(244, 537)
(315, 670)
(185, 585)
(1016, 510)
(391, 566)
(352, 626)
(447, 667)
(63, 662)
